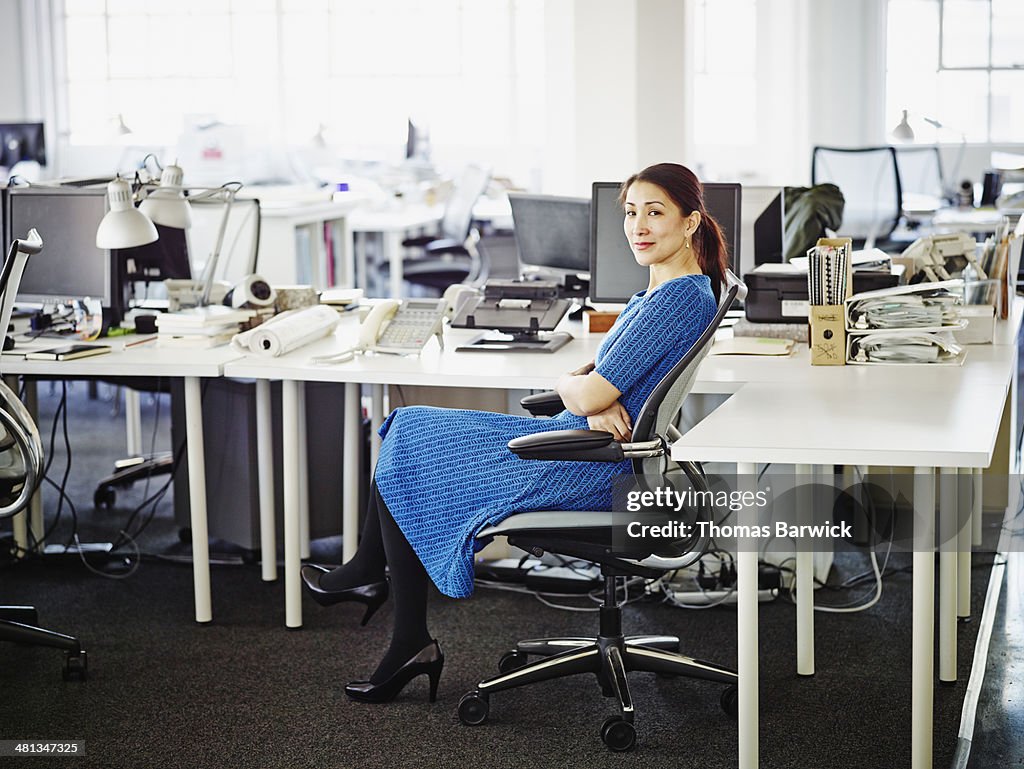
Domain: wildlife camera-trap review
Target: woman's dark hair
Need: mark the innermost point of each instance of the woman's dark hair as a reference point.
(686, 191)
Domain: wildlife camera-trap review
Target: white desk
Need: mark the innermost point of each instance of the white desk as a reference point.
(148, 360)
(396, 221)
(393, 224)
(945, 419)
(781, 410)
(432, 368)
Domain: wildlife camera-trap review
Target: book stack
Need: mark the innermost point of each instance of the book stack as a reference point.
(200, 327)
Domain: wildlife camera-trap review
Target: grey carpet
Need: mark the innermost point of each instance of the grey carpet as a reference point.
(246, 692)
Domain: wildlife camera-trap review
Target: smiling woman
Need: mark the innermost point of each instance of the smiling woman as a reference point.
(431, 496)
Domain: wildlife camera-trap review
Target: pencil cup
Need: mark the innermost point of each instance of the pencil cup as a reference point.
(828, 335)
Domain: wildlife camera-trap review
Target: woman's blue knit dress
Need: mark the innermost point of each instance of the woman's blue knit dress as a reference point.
(445, 474)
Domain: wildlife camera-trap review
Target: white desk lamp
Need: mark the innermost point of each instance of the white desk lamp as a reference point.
(125, 226)
(904, 132)
(167, 205)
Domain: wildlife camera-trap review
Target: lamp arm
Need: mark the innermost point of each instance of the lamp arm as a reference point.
(211, 268)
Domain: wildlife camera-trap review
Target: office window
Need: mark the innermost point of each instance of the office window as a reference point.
(469, 69)
(959, 63)
(725, 41)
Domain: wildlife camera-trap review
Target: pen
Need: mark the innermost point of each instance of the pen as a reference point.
(140, 341)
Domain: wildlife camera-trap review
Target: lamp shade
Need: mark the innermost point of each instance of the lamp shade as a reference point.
(903, 132)
(123, 226)
(168, 207)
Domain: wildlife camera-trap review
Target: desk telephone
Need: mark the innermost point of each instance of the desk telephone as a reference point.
(394, 326)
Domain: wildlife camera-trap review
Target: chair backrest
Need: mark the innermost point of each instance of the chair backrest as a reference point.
(458, 211)
(663, 404)
(21, 449)
(869, 179)
(921, 179)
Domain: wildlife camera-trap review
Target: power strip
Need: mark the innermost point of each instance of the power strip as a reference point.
(723, 597)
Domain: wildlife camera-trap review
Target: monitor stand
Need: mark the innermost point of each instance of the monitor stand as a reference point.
(493, 341)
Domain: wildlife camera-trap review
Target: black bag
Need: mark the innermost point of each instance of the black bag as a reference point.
(808, 211)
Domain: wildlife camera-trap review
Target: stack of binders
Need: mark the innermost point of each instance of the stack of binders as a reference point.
(906, 325)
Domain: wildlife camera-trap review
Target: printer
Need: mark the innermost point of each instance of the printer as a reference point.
(777, 293)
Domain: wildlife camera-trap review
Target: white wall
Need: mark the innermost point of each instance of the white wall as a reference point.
(12, 87)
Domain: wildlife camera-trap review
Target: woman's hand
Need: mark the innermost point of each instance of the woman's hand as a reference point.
(614, 419)
(583, 370)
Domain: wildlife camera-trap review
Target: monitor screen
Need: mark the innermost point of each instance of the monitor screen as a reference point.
(614, 274)
(552, 232)
(22, 141)
(69, 266)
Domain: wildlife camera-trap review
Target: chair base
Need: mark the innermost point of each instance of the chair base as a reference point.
(610, 658)
(128, 472)
(18, 624)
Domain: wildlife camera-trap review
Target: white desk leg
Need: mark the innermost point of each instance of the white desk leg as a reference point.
(265, 473)
(303, 473)
(804, 576)
(976, 507)
(197, 498)
(964, 520)
(290, 461)
(133, 422)
(376, 420)
(350, 472)
(746, 629)
(393, 252)
(947, 574)
(923, 661)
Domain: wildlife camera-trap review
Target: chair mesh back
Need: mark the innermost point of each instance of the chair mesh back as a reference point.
(870, 182)
(458, 212)
(665, 401)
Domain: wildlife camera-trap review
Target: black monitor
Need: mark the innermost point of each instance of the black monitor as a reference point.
(71, 267)
(552, 237)
(22, 141)
(614, 274)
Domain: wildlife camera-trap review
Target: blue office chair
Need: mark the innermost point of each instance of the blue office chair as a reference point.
(591, 536)
(21, 470)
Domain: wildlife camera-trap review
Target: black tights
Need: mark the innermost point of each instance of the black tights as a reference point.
(383, 543)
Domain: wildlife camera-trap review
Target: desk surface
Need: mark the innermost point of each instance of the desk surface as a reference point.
(145, 360)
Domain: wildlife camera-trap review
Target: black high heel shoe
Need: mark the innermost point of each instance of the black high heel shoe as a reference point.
(371, 595)
(429, 660)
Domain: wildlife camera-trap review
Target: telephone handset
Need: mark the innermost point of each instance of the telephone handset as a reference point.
(402, 327)
(395, 326)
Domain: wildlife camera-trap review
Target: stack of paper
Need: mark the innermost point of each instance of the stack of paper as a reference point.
(200, 327)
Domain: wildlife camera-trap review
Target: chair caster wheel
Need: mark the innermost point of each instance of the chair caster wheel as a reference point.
(618, 735)
(730, 701)
(512, 660)
(104, 498)
(473, 708)
(76, 665)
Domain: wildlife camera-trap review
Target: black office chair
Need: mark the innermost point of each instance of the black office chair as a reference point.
(869, 179)
(21, 469)
(452, 255)
(590, 536)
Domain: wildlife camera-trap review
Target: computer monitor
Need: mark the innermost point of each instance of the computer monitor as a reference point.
(70, 265)
(22, 141)
(614, 274)
(552, 235)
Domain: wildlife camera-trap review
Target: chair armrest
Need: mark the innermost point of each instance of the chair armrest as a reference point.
(445, 246)
(545, 404)
(568, 446)
(419, 240)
